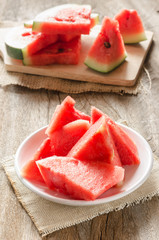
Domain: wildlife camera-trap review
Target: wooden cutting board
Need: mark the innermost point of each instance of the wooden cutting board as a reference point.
(125, 75)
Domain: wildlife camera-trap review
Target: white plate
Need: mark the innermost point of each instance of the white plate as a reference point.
(135, 176)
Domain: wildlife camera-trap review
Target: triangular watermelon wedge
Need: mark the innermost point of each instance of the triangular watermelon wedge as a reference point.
(61, 143)
(66, 137)
(57, 53)
(95, 144)
(95, 115)
(30, 170)
(126, 148)
(131, 27)
(64, 114)
(81, 180)
(108, 50)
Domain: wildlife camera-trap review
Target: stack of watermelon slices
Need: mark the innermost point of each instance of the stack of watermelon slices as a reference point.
(54, 36)
(82, 156)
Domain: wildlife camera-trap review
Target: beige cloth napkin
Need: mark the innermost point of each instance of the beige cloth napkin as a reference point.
(49, 217)
(57, 84)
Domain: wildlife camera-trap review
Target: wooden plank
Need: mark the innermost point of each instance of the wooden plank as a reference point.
(125, 75)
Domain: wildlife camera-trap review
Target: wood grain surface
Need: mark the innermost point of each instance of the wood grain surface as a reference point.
(23, 111)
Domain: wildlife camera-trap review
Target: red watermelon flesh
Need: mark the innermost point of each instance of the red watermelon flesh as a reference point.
(22, 42)
(59, 52)
(108, 50)
(30, 170)
(66, 137)
(68, 19)
(95, 144)
(36, 42)
(126, 148)
(81, 180)
(95, 115)
(130, 25)
(64, 114)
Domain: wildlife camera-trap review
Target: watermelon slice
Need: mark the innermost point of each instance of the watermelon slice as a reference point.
(64, 114)
(94, 21)
(66, 137)
(30, 170)
(95, 144)
(126, 148)
(108, 50)
(131, 27)
(67, 18)
(81, 180)
(21, 42)
(59, 52)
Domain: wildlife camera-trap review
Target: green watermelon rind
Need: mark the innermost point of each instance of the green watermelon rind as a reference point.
(101, 67)
(14, 52)
(37, 26)
(134, 38)
(15, 49)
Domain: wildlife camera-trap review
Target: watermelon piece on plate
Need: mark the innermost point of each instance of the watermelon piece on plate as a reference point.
(67, 18)
(66, 137)
(95, 115)
(95, 144)
(108, 50)
(65, 113)
(21, 42)
(57, 53)
(30, 170)
(126, 148)
(131, 27)
(81, 180)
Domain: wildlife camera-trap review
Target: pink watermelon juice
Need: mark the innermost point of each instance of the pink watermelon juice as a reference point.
(81, 180)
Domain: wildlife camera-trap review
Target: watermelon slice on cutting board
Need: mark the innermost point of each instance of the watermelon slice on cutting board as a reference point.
(131, 26)
(21, 42)
(59, 53)
(57, 20)
(125, 75)
(108, 50)
(94, 20)
(81, 180)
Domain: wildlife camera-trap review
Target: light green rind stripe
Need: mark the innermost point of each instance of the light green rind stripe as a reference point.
(134, 38)
(14, 52)
(101, 67)
(37, 26)
(27, 61)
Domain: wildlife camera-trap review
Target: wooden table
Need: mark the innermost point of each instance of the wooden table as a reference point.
(36, 107)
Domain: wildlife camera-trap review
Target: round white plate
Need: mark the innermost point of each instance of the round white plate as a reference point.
(135, 176)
